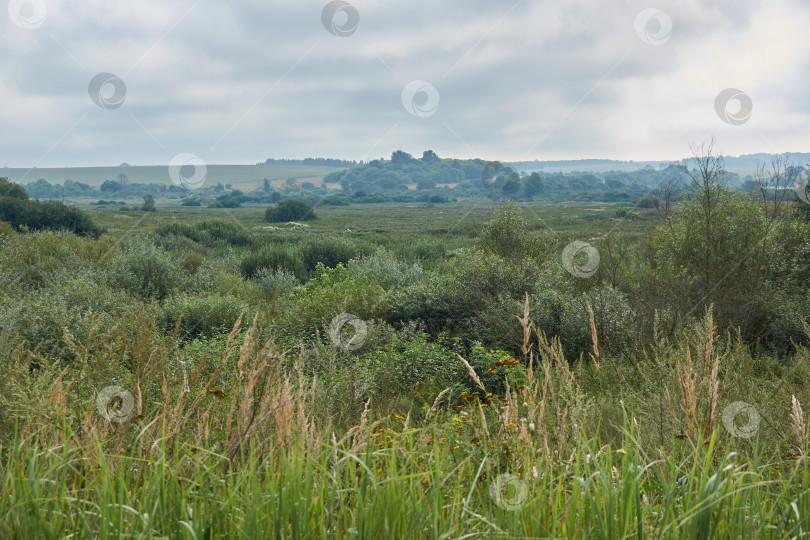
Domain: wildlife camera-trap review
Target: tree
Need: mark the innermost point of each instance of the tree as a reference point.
(398, 156)
(532, 185)
(148, 203)
(289, 210)
(425, 183)
(717, 249)
(110, 186)
(123, 182)
(266, 186)
(507, 235)
(289, 181)
(275, 197)
(429, 156)
(489, 172)
(10, 189)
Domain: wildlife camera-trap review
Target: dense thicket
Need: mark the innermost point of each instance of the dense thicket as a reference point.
(18, 210)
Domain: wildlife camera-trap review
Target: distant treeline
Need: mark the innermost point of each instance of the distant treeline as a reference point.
(320, 162)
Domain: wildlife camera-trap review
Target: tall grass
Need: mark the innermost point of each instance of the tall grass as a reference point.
(235, 447)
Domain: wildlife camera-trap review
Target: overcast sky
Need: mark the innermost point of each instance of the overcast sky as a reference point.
(244, 80)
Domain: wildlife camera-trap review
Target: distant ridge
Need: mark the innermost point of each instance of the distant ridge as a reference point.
(320, 162)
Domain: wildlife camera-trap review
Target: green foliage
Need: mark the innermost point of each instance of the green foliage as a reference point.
(715, 255)
(276, 256)
(276, 284)
(201, 316)
(329, 251)
(148, 204)
(289, 210)
(62, 311)
(406, 361)
(145, 271)
(38, 215)
(329, 293)
(11, 189)
(383, 268)
(507, 235)
(209, 232)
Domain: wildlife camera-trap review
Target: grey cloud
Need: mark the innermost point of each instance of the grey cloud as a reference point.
(243, 68)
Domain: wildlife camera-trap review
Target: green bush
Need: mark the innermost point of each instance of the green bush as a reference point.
(329, 251)
(38, 215)
(200, 316)
(451, 297)
(289, 210)
(507, 235)
(145, 271)
(209, 232)
(331, 292)
(274, 257)
(74, 308)
(31, 261)
(382, 267)
(407, 362)
(276, 284)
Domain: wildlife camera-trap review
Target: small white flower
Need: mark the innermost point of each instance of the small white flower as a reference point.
(531, 426)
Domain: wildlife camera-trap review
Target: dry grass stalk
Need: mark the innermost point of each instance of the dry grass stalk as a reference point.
(797, 423)
(527, 329)
(473, 374)
(594, 338)
(438, 399)
(687, 379)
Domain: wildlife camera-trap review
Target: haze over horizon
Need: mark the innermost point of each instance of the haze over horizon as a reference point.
(239, 83)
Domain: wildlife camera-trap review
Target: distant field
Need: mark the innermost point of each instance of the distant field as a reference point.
(393, 223)
(227, 174)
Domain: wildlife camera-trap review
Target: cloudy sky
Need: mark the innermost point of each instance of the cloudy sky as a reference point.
(244, 80)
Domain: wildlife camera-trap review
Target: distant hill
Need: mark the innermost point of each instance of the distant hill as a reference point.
(746, 162)
(154, 174)
(319, 162)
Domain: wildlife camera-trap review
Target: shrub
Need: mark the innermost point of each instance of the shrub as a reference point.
(329, 293)
(209, 232)
(382, 267)
(190, 202)
(145, 271)
(289, 210)
(507, 235)
(200, 316)
(37, 215)
(276, 284)
(452, 296)
(408, 362)
(66, 310)
(273, 257)
(31, 261)
(225, 203)
(328, 251)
